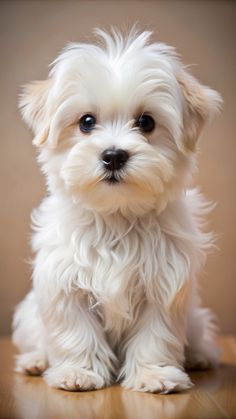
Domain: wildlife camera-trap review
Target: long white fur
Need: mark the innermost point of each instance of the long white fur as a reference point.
(115, 290)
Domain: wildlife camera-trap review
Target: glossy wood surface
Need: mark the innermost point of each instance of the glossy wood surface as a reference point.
(213, 396)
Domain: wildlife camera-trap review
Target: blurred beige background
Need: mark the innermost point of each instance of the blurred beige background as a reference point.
(31, 34)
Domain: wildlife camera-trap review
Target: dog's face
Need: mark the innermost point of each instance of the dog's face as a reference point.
(117, 125)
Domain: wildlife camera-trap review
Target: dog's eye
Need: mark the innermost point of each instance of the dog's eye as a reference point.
(145, 123)
(87, 123)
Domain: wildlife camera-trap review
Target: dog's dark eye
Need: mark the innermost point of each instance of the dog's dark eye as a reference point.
(145, 123)
(87, 123)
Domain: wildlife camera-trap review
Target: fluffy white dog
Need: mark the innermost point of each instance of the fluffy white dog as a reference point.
(118, 238)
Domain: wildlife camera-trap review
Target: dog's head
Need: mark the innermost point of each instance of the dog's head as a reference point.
(117, 124)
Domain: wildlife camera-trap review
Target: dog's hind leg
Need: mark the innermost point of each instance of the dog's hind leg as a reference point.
(28, 336)
(202, 351)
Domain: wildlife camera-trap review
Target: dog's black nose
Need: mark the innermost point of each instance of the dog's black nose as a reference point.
(114, 159)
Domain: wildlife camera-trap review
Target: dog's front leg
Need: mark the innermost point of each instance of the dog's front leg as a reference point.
(155, 351)
(79, 355)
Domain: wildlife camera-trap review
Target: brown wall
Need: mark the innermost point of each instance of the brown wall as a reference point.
(32, 33)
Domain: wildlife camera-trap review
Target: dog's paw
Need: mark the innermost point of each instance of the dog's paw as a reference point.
(31, 363)
(156, 379)
(73, 378)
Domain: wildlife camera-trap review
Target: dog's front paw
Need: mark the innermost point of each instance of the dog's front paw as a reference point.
(158, 380)
(31, 363)
(73, 378)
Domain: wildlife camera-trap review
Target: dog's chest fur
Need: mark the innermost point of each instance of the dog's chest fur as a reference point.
(117, 262)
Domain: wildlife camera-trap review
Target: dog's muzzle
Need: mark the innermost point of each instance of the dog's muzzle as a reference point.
(113, 160)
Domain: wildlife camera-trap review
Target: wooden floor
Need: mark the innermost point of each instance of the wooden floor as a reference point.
(213, 396)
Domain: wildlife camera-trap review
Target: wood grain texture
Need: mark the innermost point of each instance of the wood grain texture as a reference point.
(213, 396)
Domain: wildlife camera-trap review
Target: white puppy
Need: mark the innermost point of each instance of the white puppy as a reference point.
(118, 237)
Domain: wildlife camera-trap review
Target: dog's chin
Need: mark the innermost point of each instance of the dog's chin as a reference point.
(131, 191)
(116, 194)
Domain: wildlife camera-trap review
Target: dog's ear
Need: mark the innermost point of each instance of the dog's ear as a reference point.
(32, 104)
(200, 105)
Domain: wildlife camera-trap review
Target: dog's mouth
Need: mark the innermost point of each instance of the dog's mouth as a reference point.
(113, 178)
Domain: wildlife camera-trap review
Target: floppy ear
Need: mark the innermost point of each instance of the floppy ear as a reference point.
(34, 110)
(200, 105)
